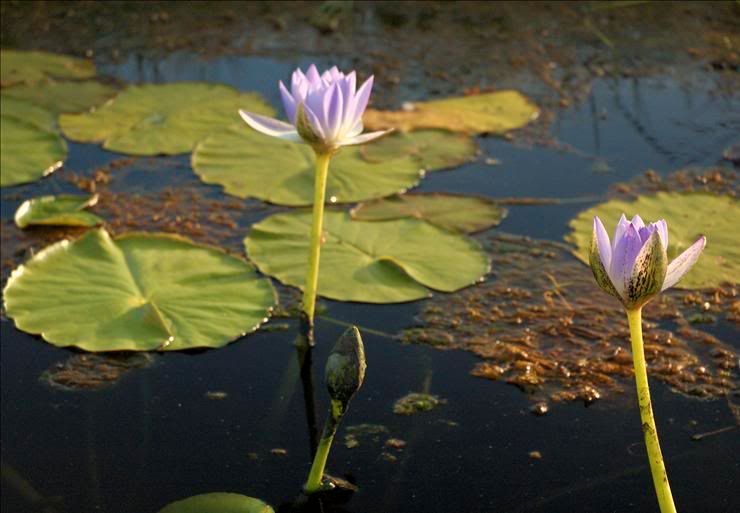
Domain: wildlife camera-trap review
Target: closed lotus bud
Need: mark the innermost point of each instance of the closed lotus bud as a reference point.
(345, 367)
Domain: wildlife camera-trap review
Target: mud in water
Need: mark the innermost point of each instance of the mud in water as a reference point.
(93, 371)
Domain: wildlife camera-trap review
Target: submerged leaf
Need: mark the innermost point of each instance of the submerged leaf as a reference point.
(57, 210)
(218, 502)
(374, 262)
(137, 292)
(63, 96)
(496, 113)
(27, 152)
(449, 211)
(165, 119)
(689, 215)
(248, 164)
(18, 66)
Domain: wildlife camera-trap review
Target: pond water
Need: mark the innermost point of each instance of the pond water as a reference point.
(165, 432)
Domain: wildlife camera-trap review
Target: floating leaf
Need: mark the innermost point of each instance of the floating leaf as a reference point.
(449, 211)
(247, 163)
(27, 112)
(64, 96)
(20, 66)
(218, 502)
(138, 292)
(495, 113)
(27, 152)
(57, 210)
(688, 215)
(433, 149)
(165, 119)
(374, 262)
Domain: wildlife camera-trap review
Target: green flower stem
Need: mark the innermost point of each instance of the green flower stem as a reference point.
(312, 273)
(314, 483)
(655, 457)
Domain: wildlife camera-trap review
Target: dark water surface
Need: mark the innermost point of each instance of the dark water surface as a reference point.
(155, 437)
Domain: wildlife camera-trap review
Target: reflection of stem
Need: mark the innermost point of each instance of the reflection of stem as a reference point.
(312, 273)
(315, 476)
(309, 400)
(657, 467)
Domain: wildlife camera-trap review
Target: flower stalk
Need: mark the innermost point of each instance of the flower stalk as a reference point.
(655, 456)
(315, 482)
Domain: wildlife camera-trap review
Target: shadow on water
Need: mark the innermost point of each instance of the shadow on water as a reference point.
(160, 435)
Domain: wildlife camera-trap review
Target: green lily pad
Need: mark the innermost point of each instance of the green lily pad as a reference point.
(138, 292)
(433, 149)
(250, 164)
(218, 502)
(688, 215)
(64, 96)
(449, 211)
(27, 152)
(495, 113)
(27, 112)
(57, 210)
(20, 66)
(165, 119)
(373, 262)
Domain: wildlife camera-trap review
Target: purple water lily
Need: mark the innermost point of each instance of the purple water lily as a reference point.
(634, 266)
(324, 110)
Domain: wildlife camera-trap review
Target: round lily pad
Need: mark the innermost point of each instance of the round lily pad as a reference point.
(63, 210)
(26, 111)
(250, 164)
(27, 152)
(449, 211)
(138, 292)
(495, 113)
(688, 215)
(373, 262)
(165, 119)
(63, 96)
(218, 502)
(21, 66)
(433, 149)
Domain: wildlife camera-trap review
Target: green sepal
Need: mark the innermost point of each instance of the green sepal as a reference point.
(648, 273)
(597, 267)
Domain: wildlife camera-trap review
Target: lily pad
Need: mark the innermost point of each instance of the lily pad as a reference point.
(138, 292)
(218, 502)
(433, 149)
(165, 119)
(449, 211)
(57, 210)
(27, 152)
(27, 112)
(688, 215)
(249, 164)
(373, 262)
(64, 96)
(495, 113)
(21, 66)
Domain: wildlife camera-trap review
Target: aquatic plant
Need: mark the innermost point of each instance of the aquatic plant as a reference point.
(325, 112)
(634, 268)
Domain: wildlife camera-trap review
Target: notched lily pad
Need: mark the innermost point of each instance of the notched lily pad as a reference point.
(138, 292)
(433, 149)
(416, 402)
(168, 119)
(63, 96)
(57, 210)
(457, 213)
(218, 502)
(250, 164)
(688, 215)
(497, 113)
(28, 152)
(17, 66)
(374, 262)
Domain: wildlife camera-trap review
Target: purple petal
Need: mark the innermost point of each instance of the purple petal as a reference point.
(361, 139)
(333, 110)
(683, 263)
(270, 126)
(314, 79)
(662, 228)
(299, 86)
(637, 222)
(315, 122)
(645, 233)
(288, 102)
(603, 243)
(623, 259)
(619, 231)
(361, 98)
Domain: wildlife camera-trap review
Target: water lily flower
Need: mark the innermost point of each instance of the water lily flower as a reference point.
(634, 266)
(325, 110)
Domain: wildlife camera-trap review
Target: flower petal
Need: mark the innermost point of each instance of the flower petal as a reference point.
(619, 231)
(270, 126)
(662, 228)
(623, 259)
(637, 222)
(603, 244)
(359, 103)
(333, 110)
(596, 259)
(683, 262)
(363, 138)
(648, 272)
(314, 79)
(288, 102)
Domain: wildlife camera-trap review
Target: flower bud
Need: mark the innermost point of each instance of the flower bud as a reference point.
(345, 367)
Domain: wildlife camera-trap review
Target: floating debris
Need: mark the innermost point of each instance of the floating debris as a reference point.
(535, 455)
(216, 395)
(93, 371)
(539, 408)
(386, 456)
(415, 403)
(278, 451)
(395, 443)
